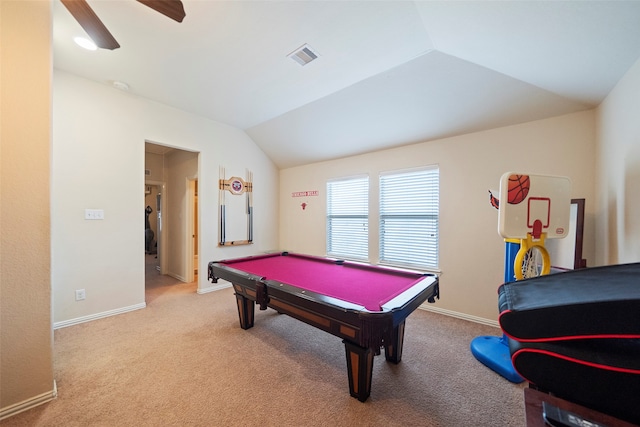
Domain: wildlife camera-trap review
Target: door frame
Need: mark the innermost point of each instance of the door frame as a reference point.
(162, 223)
(191, 228)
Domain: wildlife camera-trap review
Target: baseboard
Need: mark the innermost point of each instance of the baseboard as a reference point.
(222, 284)
(462, 316)
(27, 404)
(96, 316)
(177, 276)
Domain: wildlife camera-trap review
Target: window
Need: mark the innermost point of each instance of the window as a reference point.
(348, 218)
(409, 218)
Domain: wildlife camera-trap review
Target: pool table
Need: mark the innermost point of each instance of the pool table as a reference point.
(364, 305)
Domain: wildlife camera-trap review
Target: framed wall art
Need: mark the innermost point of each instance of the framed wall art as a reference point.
(236, 209)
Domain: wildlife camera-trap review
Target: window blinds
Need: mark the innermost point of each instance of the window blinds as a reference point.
(348, 218)
(409, 205)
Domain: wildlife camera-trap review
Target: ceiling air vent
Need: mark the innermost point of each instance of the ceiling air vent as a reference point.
(303, 55)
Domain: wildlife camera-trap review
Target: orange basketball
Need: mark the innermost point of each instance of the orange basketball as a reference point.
(518, 188)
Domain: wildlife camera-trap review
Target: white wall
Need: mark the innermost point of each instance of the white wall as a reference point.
(471, 251)
(98, 163)
(618, 185)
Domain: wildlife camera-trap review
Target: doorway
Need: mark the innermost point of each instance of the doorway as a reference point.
(175, 208)
(153, 199)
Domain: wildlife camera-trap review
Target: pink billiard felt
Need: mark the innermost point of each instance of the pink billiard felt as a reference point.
(369, 287)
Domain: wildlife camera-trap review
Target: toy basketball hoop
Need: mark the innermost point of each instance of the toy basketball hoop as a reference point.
(533, 208)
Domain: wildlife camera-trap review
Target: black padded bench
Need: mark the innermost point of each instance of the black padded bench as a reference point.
(598, 302)
(577, 335)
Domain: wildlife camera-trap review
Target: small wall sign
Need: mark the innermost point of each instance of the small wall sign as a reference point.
(305, 193)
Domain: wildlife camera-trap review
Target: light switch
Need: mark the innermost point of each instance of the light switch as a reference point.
(94, 214)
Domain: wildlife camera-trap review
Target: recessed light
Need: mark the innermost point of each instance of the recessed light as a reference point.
(85, 43)
(120, 85)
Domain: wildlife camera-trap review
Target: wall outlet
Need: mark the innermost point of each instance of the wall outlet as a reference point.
(80, 294)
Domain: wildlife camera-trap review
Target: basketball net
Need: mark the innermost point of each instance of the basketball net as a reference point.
(532, 260)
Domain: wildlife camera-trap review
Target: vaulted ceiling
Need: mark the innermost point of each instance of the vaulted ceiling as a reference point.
(388, 73)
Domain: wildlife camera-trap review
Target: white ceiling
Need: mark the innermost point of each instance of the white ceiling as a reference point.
(389, 73)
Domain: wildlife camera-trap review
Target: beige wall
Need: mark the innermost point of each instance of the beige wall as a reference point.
(99, 136)
(471, 251)
(155, 164)
(26, 366)
(179, 167)
(618, 185)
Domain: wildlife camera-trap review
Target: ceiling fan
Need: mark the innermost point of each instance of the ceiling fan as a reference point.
(98, 32)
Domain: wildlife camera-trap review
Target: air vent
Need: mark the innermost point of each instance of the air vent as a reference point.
(303, 55)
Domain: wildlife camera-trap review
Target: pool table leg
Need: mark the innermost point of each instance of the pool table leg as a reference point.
(245, 311)
(360, 370)
(393, 349)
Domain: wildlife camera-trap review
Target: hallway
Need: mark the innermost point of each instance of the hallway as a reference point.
(157, 284)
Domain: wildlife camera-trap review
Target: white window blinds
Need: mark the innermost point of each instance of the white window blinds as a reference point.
(409, 218)
(348, 218)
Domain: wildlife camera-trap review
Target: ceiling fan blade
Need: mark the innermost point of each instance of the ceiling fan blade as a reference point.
(88, 20)
(171, 8)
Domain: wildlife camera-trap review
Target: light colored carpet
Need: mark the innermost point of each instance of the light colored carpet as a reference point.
(184, 361)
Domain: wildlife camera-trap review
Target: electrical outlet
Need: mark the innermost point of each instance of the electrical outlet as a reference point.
(80, 294)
